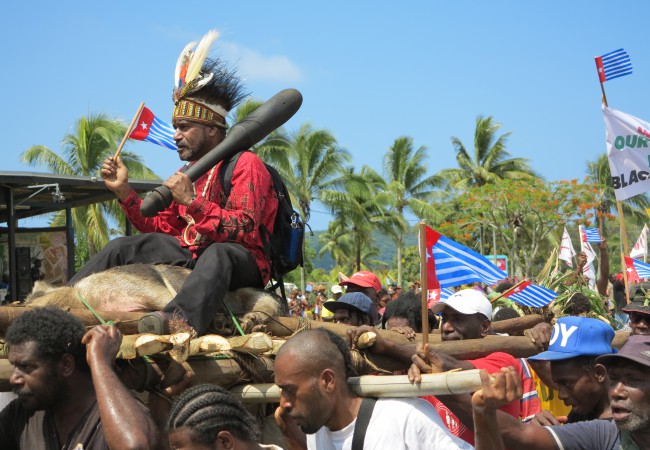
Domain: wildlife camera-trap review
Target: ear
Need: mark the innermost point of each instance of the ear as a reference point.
(67, 365)
(225, 440)
(600, 373)
(327, 380)
(486, 327)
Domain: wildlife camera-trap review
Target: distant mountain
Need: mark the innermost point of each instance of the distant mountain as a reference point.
(385, 247)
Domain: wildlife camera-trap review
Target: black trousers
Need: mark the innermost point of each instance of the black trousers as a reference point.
(220, 268)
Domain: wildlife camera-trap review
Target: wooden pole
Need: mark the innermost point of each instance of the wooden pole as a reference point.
(126, 322)
(128, 131)
(423, 282)
(626, 248)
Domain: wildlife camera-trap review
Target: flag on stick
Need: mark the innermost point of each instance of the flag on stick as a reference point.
(592, 235)
(589, 271)
(151, 129)
(529, 294)
(567, 252)
(613, 65)
(450, 264)
(635, 269)
(640, 249)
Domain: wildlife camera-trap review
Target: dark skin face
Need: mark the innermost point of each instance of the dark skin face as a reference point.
(368, 291)
(348, 317)
(36, 381)
(305, 397)
(583, 389)
(194, 139)
(457, 326)
(640, 323)
(629, 394)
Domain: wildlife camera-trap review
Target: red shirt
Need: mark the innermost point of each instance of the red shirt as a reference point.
(492, 363)
(252, 202)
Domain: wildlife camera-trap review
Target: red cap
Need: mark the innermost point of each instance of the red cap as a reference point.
(363, 278)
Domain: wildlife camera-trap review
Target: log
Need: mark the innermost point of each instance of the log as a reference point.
(126, 322)
(135, 345)
(518, 324)
(448, 383)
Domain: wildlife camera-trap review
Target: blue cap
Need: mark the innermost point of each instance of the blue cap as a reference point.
(578, 336)
(354, 300)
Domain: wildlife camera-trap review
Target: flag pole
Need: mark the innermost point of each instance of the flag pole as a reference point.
(626, 248)
(128, 131)
(423, 283)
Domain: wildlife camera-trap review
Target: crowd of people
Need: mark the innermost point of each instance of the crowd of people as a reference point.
(576, 392)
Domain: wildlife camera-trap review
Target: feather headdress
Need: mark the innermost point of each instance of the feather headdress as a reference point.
(205, 90)
(188, 66)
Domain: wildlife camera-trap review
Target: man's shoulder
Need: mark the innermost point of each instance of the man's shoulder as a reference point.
(593, 434)
(494, 361)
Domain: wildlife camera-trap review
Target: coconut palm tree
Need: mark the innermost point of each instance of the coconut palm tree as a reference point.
(490, 160)
(309, 161)
(404, 173)
(95, 137)
(364, 205)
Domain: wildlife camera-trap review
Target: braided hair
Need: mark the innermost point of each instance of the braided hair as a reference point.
(208, 409)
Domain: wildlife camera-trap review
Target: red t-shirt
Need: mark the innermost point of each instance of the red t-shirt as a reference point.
(492, 363)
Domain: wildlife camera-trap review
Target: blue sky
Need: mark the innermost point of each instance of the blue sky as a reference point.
(369, 72)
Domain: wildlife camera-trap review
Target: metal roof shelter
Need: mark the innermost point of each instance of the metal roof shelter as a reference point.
(29, 194)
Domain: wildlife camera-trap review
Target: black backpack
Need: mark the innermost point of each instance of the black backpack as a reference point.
(283, 247)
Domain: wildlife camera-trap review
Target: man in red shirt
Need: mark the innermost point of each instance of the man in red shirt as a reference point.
(467, 314)
(217, 237)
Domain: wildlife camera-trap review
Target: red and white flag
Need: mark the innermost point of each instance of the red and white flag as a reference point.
(567, 252)
(589, 271)
(641, 247)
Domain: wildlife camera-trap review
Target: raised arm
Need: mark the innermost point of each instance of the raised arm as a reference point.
(126, 421)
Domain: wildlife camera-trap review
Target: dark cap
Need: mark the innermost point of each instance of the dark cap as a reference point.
(637, 349)
(354, 301)
(640, 299)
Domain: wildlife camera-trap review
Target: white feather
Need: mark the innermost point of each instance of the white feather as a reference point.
(185, 54)
(197, 59)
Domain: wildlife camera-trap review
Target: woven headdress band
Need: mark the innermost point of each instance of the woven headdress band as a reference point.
(197, 112)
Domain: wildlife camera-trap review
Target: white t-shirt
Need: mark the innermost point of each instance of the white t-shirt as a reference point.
(396, 423)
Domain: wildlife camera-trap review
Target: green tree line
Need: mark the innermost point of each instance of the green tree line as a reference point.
(491, 202)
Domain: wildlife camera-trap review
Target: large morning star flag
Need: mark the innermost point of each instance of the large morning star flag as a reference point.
(613, 65)
(635, 269)
(628, 153)
(450, 264)
(641, 247)
(151, 129)
(529, 294)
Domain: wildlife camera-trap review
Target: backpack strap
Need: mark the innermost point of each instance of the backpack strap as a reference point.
(225, 175)
(363, 419)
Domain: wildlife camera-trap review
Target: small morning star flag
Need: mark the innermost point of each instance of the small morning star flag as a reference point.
(151, 129)
(529, 294)
(635, 269)
(592, 235)
(613, 65)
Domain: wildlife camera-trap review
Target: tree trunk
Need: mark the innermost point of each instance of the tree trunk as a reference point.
(400, 238)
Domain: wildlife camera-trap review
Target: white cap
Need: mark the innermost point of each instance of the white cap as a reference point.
(336, 289)
(466, 301)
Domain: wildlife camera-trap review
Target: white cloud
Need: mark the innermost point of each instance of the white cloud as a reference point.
(253, 66)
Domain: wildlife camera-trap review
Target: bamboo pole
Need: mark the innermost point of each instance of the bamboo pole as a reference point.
(128, 131)
(395, 386)
(423, 282)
